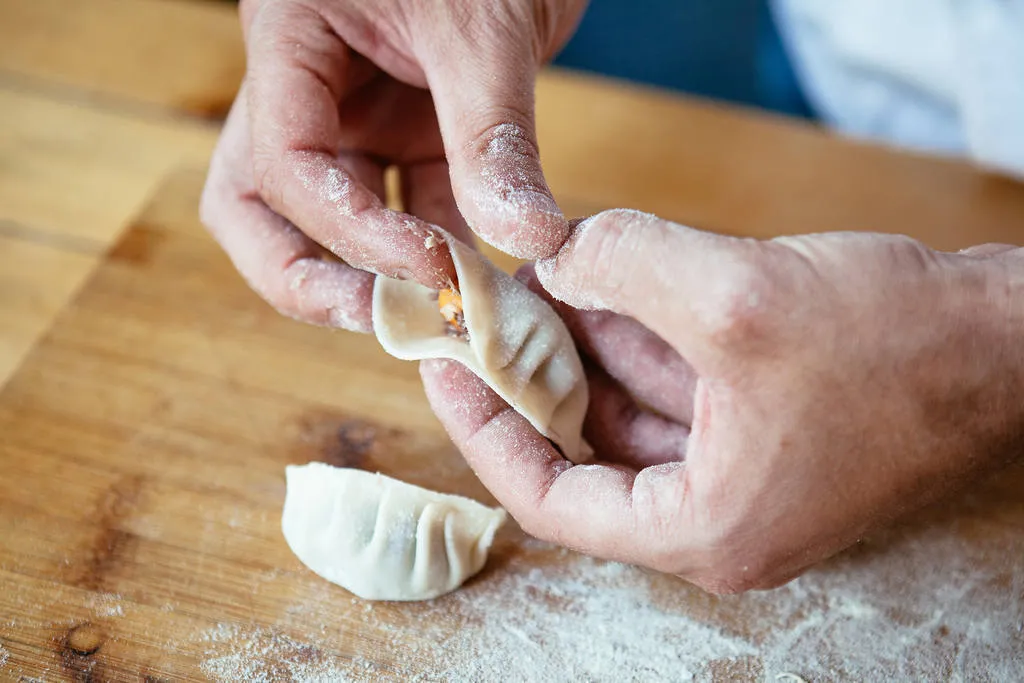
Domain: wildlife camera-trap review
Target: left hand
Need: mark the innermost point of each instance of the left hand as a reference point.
(790, 395)
(338, 90)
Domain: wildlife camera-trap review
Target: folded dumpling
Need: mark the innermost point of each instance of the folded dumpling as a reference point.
(381, 538)
(504, 333)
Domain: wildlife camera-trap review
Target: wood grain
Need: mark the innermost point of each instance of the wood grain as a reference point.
(36, 280)
(71, 178)
(158, 487)
(144, 433)
(184, 55)
(143, 448)
(606, 145)
(73, 170)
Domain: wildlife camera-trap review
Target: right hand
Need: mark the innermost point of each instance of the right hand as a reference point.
(336, 91)
(756, 406)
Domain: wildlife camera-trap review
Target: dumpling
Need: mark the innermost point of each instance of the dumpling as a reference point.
(381, 538)
(511, 339)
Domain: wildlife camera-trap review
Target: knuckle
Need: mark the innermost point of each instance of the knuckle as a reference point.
(503, 132)
(533, 511)
(737, 308)
(728, 558)
(279, 287)
(724, 552)
(266, 177)
(536, 526)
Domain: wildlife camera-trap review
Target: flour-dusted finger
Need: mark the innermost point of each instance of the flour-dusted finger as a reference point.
(622, 431)
(299, 70)
(609, 511)
(483, 93)
(704, 293)
(293, 273)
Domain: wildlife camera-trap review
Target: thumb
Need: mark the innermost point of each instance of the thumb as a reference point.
(483, 89)
(699, 291)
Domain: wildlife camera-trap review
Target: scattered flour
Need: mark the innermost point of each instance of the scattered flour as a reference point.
(589, 624)
(338, 188)
(4, 656)
(917, 609)
(106, 605)
(262, 656)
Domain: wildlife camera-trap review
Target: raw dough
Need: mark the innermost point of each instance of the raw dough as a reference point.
(381, 538)
(517, 344)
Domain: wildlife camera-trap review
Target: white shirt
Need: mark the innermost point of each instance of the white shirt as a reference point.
(942, 76)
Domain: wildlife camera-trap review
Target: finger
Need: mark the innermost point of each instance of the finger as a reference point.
(298, 73)
(642, 362)
(622, 432)
(427, 193)
(291, 272)
(484, 95)
(364, 170)
(605, 510)
(687, 286)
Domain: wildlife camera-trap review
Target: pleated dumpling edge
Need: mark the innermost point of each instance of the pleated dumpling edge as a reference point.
(381, 538)
(516, 343)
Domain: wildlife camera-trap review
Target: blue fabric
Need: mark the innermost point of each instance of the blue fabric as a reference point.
(723, 49)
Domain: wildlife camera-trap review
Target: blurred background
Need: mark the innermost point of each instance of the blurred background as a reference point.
(723, 49)
(106, 104)
(728, 50)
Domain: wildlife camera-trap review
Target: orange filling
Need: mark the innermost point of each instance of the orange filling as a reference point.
(449, 303)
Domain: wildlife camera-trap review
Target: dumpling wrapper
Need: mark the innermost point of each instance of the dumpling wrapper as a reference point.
(517, 344)
(381, 538)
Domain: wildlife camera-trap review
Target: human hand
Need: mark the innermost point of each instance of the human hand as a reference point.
(792, 394)
(336, 91)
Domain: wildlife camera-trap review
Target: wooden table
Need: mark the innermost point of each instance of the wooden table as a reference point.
(152, 402)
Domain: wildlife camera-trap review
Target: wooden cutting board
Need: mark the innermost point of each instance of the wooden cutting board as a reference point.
(143, 446)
